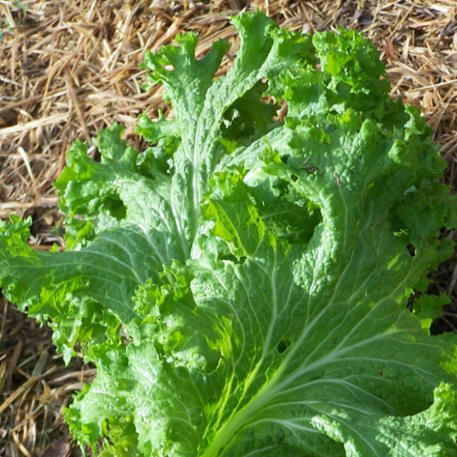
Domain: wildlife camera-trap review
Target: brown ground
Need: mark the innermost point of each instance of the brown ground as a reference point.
(70, 67)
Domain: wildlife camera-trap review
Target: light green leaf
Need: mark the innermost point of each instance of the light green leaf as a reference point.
(241, 285)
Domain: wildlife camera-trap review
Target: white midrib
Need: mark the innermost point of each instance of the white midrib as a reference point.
(245, 414)
(264, 396)
(270, 390)
(238, 420)
(241, 417)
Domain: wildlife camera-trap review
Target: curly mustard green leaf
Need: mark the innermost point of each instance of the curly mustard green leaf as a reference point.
(242, 285)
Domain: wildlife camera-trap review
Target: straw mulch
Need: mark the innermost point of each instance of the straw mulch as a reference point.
(69, 68)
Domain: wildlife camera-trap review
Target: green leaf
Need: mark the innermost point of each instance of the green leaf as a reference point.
(110, 144)
(20, 6)
(242, 284)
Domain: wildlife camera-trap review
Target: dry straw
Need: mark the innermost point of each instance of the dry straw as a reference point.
(68, 68)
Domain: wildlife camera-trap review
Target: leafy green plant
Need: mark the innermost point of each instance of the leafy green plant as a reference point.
(241, 285)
